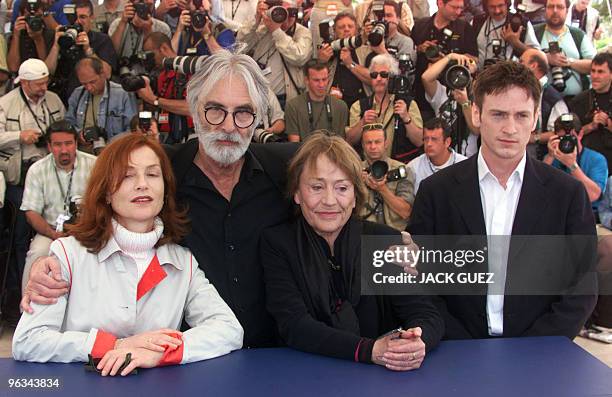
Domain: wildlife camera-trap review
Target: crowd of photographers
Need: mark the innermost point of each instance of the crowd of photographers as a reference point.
(390, 78)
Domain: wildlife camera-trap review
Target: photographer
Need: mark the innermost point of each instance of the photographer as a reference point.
(351, 80)
(552, 104)
(364, 14)
(50, 188)
(129, 31)
(315, 109)
(565, 152)
(456, 110)
(501, 34)
(104, 14)
(238, 13)
(99, 108)
(197, 35)
(67, 49)
(394, 42)
(389, 201)
(438, 152)
(25, 113)
(52, 11)
(442, 33)
(402, 122)
(168, 91)
(594, 108)
(30, 38)
(570, 55)
(280, 48)
(585, 18)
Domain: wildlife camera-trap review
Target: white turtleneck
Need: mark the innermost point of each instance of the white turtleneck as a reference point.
(138, 246)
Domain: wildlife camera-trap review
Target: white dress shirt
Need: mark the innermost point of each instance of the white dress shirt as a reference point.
(423, 167)
(498, 207)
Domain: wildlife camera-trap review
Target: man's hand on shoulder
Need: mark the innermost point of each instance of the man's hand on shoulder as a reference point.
(45, 284)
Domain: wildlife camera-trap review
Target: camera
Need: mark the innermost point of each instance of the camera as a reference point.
(455, 76)
(401, 84)
(199, 19)
(435, 51)
(102, 27)
(558, 73)
(325, 30)
(379, 25)
(496, 47)
(95, 135)
(184, 64)
(130, 81)
(262, 136)
(35, 22)
(69, 36)
(142, 9)
(567, 123)
(517, 19)
(73, 209)
(276, 11)
(144, 121)
(379, 169)
(42, 140)
(326, 35)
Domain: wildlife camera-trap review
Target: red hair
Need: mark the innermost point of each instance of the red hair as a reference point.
(94, 227)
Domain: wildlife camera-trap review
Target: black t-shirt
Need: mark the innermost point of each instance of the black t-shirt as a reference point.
(599, 140)
(224, 236)
(349, 84)
(27, 48)
(462, 41)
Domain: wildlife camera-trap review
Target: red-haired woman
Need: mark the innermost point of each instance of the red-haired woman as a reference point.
(131, 284)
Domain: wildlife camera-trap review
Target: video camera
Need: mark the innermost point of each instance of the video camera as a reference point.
(379, 169)
(380, 28)
(34, 21)
(326, 33)
(437, 50)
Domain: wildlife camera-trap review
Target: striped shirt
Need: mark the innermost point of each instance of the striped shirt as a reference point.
(42, 193)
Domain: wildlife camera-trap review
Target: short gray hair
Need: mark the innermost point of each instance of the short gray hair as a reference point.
(385, 60)
(222, 65)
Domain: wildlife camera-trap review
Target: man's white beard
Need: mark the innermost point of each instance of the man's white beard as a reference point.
(224, 155)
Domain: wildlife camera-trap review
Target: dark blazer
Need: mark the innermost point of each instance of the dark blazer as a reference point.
(287, 300)
(551, 203)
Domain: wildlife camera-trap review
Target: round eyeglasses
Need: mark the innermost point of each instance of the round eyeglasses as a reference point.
(216, 115)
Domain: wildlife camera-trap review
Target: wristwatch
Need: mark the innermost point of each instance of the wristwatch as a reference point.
(408, 122)
(538, 135)
(573, 167)
(352, 65)
(206, 36)
(156, 102)
(465, 104)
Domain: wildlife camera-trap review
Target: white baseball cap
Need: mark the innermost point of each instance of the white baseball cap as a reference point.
(32, 69)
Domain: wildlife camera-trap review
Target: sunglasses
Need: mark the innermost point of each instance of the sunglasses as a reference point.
(383, 75)
(371, 127)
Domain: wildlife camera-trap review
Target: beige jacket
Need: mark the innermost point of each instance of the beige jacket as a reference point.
(296, 50)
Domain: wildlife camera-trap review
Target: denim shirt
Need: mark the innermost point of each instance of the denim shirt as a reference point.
(121, 108)
(605, 207)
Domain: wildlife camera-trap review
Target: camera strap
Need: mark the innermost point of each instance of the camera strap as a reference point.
(326, 107)
(65, 196)
(235, 10)
(34, 116)
(93, 111)
(289, 74)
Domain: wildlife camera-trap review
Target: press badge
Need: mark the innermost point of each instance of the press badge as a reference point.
(163, 118)
(59, 222)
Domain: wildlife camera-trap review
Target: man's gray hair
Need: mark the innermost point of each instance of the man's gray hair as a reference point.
(385, 60)
(222, 65)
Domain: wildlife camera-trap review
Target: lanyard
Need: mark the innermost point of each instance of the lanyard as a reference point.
(235, 10)
(34, 116)
(489, 28)
(326, 106)
(66, 197)
(90, 100)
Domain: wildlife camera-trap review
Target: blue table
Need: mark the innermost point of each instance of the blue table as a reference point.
(548, 366)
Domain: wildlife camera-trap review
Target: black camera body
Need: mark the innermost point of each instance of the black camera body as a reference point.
(517, 19)
(69, 36)
(379, 169)
(559, 74)
(325, 30)
(199, 19)
(94, 133)
(567, 143)
(131, 81)
(142, 9)
(401, 85)
(497, 48)
(35, 22)
(442, 48)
